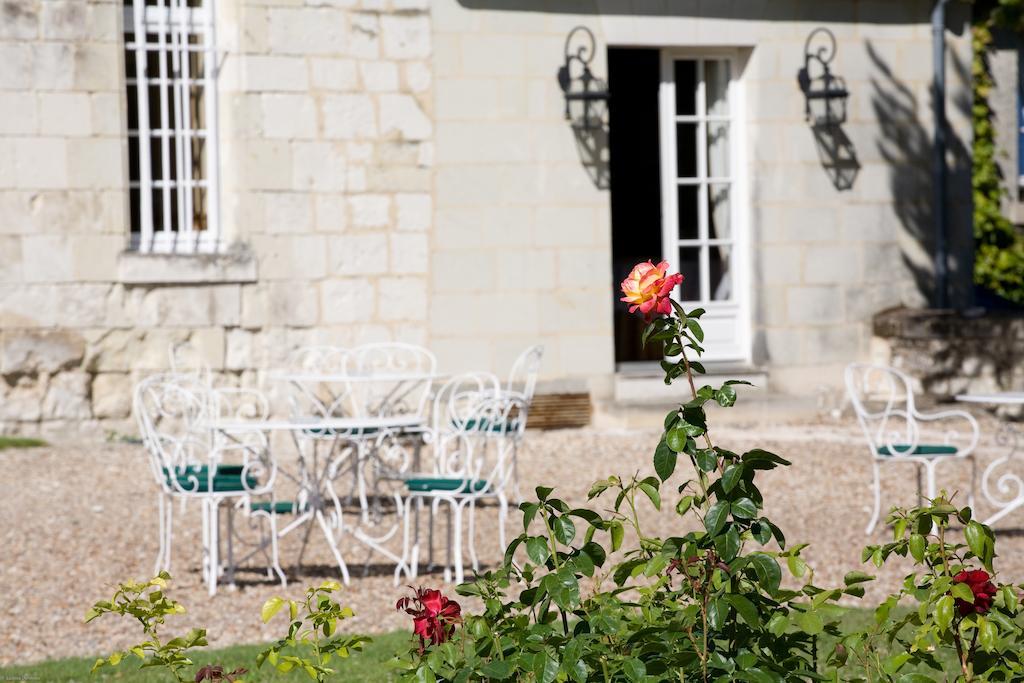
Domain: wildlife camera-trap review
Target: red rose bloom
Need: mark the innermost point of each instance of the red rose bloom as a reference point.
(981, 586)
(433, 615)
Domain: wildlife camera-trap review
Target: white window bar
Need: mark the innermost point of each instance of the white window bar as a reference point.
(176, 211)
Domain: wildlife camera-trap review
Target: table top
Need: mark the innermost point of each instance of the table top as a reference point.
(995, 398)
(339, 424)
(327, 377)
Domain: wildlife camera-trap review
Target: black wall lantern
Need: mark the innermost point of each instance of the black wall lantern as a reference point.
(825, 95)
(586, 95)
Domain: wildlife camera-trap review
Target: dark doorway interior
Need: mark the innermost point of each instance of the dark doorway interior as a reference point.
(634, 155)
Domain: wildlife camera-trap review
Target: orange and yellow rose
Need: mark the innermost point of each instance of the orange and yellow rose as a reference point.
(648, 287)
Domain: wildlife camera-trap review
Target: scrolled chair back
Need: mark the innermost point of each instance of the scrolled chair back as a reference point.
(522, 378)
(313, 398)
(883, 399)
(479, 449)
(390, 378)
(186, 457)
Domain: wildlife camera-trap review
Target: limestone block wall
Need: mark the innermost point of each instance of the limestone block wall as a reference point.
(326, 153)
(516, 212)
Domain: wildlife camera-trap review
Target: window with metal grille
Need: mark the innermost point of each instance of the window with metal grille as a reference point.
(170, 70)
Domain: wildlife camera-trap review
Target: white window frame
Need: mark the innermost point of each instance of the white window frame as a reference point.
(174, 22)
(736, 312)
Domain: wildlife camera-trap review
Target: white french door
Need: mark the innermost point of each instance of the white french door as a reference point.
(703, 226)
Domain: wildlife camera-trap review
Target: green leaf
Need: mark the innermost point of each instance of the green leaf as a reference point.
(769, 574)
(675, 439)
(944, 611)
(664, 460)
(857, 577)
(270, 608)
(652, 493)
(538, 550)
(962, 591)
(716, 516)
(744, 508)
(545, 667)
(728, 544)
(988, 634)
(617, 533)
(778, 624)
(726, 397)
(917, 547)
(915, 678)
(564, 530)
(810, 622)
(695, 329)
(1009, 598)
(543, 492)
(797, 567)
(732, 476)
(634, 669)
(978, 541)
(718, 610)
(498, 669)
(745, 608)
(707, 459)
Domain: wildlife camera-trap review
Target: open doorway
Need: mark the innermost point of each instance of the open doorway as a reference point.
(633, 145)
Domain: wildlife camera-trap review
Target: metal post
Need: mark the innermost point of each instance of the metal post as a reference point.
(939, 168)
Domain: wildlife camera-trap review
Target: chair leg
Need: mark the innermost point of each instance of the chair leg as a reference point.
(212, 524)
(407, 551)
(169, 530)
(502, 519)
(229, 573)
(877, 490)
(275, 558)
(920, 492)
(457, 540)
(162, 523)
(930, 486)
(471, 536)
(974, 481)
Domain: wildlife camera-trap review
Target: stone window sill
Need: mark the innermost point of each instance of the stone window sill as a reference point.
(235, 266)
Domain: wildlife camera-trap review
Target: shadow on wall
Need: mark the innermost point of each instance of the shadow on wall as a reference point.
(905, 144)
(837, 155)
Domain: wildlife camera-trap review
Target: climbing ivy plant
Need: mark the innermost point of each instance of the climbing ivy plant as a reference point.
(999, 245)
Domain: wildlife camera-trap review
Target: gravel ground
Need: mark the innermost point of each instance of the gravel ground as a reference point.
(79, 518)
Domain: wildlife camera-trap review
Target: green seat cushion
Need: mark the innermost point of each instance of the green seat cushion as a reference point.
(280, 507)
(487, 425)
(921, 449)
(226, 479)
(444, 484)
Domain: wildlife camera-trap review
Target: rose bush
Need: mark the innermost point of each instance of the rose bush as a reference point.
(586, 595)
(961, 612)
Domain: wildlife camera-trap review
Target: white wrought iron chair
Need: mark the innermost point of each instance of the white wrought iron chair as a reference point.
(522, 382)
(189, 461)
(473, 462)
(883, 399)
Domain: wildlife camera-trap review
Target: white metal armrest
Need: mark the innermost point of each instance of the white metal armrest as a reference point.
(955, 414)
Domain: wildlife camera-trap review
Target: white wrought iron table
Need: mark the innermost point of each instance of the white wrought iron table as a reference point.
(317, 500)
(1006, 493)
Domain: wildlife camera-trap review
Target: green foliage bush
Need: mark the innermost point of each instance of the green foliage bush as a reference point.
(999, 245)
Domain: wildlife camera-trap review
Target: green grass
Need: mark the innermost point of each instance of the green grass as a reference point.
(370, 665)
(20, 442)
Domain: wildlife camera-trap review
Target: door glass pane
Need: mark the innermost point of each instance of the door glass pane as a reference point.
(719, 212)
(686, 150)
(716, 86)
(689, 266)
(686, 87)
(689, 205)
(718, 149)
(720, 273)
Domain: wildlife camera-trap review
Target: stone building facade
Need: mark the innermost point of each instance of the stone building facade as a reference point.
(403, 169)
